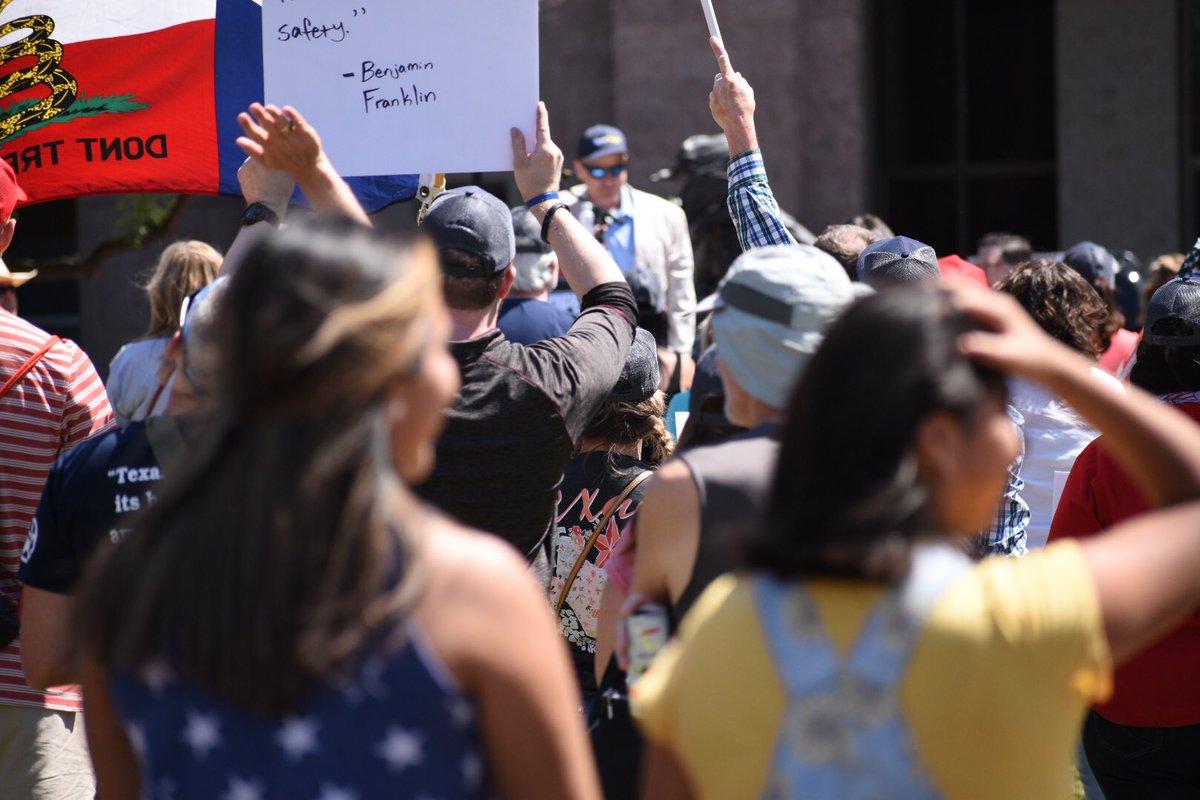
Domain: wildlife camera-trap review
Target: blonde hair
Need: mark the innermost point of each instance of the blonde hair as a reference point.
(183, 268)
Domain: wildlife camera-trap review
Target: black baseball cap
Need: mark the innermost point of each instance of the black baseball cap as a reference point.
(640, 377)
(1178, 300)
(475, 222)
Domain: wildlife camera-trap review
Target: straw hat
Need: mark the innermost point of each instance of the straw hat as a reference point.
(14, 279)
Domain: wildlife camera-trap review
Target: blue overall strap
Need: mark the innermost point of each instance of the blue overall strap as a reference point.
(844, 733)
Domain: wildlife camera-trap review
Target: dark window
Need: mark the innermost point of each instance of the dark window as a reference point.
(965, 121)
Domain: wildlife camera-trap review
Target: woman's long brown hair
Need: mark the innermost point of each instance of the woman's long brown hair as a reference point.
(284, 548)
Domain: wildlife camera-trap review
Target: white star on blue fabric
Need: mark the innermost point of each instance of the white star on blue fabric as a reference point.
(298, 737)
(202, 734)
(331, 792)
(243, 790)
(401, 749)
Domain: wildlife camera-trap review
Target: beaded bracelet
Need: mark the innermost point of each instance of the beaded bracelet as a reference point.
(546, 222)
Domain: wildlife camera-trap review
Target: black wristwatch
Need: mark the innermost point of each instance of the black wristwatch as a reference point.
(259, 212)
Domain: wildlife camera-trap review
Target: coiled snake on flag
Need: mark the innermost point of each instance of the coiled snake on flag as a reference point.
(47, 72)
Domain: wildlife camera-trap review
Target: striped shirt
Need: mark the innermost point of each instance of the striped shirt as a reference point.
(752, 205)
(57, 405)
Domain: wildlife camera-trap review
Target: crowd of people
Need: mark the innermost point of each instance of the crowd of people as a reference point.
(503, 509)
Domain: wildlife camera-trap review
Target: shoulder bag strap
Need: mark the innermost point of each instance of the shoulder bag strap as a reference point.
(28, 365)
(591, 542)
(21, 372)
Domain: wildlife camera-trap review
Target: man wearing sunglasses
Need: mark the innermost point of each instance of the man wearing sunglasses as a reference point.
(641, 230)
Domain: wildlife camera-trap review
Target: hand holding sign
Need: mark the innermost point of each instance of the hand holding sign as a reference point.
(539, 172)
(732, 103)
(406, 87)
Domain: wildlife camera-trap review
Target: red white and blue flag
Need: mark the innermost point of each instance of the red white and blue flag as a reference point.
(114, 96)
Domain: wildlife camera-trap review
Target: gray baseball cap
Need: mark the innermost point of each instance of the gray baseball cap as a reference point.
(475, 222)
(771, 313)
(898, 260)
(528, 232)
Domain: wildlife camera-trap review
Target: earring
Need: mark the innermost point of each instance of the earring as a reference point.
(397, 409)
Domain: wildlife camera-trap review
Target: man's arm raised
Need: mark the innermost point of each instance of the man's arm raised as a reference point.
(752, 205)
(282, 140)
(583, 260)
(272, 188)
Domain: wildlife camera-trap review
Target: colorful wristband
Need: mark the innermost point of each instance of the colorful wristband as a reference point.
(541, 198)
(546, 222)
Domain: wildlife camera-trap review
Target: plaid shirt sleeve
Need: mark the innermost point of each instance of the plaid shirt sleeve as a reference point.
(1007, 536)
(752, 206)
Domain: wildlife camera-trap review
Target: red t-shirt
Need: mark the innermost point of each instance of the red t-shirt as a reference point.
(1158, 687)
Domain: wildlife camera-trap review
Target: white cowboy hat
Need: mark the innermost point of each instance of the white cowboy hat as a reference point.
(14, 279)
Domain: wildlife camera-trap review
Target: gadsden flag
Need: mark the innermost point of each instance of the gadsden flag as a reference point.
(110, 96)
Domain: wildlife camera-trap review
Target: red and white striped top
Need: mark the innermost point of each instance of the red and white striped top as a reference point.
(56, 406)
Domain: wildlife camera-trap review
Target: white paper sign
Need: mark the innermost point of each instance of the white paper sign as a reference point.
(406, 86)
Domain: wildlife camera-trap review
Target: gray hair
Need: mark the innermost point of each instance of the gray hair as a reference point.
(534, 271)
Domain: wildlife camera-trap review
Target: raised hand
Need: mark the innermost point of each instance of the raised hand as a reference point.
(732, 103)
(281, 139)
(540, 171)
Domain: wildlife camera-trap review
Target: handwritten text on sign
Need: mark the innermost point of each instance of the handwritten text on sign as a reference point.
(406, 86)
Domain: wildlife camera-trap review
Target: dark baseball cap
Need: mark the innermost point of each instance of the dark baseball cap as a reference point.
(1093, 262)
(599, 141)
(898, 260)
(1178, 300)
(528, 232)
(475, 222)
(639, 377)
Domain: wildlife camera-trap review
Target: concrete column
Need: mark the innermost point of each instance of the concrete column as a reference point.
(1118, 124)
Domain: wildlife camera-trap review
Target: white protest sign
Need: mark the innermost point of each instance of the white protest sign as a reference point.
(406, 86)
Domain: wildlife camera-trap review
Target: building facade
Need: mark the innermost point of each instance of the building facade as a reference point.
(1060, 119)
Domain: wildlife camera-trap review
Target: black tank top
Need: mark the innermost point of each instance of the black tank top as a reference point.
(733, 480)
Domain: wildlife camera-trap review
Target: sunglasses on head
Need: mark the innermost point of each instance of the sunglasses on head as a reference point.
(606, 172)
